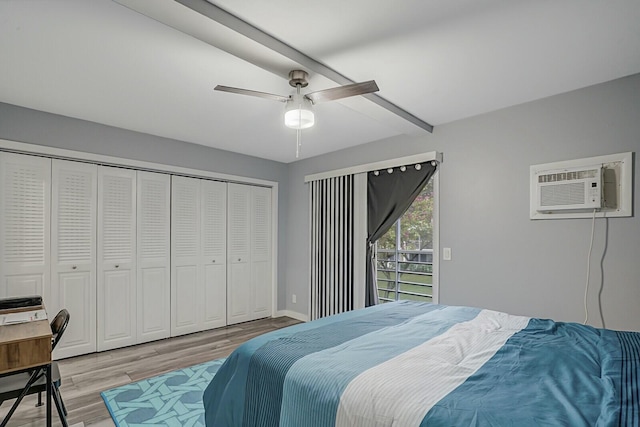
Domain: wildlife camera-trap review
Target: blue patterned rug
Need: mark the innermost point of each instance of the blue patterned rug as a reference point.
(173, 399)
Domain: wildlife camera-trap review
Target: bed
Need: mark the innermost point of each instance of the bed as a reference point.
(418, 364)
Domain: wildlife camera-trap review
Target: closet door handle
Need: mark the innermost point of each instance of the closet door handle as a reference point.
(117, 265)
(74, 267)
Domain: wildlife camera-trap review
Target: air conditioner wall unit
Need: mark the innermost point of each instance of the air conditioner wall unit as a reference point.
(616, 188)
(570, 189)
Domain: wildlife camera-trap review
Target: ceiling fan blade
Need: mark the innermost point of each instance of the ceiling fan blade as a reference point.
(252, 93)
(342, 92)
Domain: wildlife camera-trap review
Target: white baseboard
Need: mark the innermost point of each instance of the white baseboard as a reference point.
(293, 314)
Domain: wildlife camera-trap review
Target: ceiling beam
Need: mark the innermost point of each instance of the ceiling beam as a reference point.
(236, 24)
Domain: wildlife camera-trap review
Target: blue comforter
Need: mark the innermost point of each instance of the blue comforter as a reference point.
(418, 364)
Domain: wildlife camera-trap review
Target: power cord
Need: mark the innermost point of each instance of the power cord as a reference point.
(586, 288)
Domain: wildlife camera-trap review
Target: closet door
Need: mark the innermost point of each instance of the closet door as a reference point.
(116, 257)
(25, 204)
(239, 267)
(73, 253)
(186, 302)
(261, 270)
(214, 253)
(153, 274)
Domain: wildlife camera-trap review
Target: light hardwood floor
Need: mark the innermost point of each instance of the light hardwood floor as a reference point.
(84, 377)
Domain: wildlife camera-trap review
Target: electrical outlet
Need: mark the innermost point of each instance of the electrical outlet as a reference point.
(293, 298)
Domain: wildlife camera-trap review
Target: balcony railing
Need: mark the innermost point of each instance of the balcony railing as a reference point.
(405, 275)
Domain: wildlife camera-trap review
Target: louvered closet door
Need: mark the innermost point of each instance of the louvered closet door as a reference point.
(25, 186)
(153, 274)
(261, 277)
(214, 253)
(239, 268)
(73, 253)
(116, 257)
(186, 304)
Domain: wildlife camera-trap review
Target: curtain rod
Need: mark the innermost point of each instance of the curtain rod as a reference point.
(384, 164)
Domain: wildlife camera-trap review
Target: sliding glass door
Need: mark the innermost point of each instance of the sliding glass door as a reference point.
(405, 253)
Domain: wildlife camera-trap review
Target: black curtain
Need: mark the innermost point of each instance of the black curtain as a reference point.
(389, 195)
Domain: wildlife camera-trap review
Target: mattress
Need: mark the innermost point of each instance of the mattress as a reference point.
(417, 364)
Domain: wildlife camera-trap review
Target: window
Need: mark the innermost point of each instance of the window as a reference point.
(405, 253)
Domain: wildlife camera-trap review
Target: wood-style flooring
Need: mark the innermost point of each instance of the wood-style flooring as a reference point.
(84, 377)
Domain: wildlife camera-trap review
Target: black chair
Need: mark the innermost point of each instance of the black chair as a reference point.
(13, 386)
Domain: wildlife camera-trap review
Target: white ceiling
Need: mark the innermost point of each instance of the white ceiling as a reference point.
(440, 60)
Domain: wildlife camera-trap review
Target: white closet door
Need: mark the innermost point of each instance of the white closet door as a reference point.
(186, 304)
(25, 205)
(153, 274)
(261, 277)
(214, 253)
(116, 257)
(73, 253)
(239, 267)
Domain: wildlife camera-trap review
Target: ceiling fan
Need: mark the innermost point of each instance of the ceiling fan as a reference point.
(298, 108)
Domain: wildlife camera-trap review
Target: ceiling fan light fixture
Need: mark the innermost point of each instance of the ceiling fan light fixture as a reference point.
(298, 109)
(298, 113)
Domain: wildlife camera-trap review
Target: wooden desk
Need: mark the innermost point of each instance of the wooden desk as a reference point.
(26, 345)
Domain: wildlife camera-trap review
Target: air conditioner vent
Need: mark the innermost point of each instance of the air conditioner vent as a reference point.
(562, 194)
(568, 176)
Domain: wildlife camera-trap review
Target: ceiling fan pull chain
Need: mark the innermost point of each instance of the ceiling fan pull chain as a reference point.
(298, 135)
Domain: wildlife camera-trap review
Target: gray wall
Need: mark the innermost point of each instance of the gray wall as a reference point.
(37, 127)
(501, 259)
